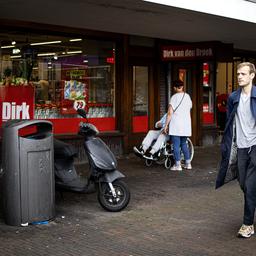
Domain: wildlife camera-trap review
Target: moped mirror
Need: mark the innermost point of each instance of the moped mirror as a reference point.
(81, 112)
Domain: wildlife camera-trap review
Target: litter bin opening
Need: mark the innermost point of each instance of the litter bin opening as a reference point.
(36, 131)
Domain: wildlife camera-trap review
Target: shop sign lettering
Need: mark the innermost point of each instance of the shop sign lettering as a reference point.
(15, 111)
(16, 102)
(182, 53)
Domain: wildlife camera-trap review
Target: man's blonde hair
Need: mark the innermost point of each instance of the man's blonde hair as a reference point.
(247, 64)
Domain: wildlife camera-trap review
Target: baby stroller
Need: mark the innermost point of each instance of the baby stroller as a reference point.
(165, 155)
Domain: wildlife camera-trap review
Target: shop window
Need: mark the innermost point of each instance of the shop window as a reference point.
(140, 99)
(208, 96)
(64, 74)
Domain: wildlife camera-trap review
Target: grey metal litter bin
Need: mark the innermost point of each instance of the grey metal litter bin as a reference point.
(28, 172)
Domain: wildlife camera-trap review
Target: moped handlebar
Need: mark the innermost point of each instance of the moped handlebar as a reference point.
(82, 112)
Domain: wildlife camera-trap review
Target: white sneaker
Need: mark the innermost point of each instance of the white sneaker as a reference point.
(245, 231)
(139, 151)
(188, 166)
(176, 168)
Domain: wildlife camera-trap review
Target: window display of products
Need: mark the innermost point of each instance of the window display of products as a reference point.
(65, 76)
(101, 110)
(44, 111)
(74, 90)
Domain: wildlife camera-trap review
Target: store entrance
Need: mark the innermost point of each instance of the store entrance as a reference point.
(186, 72)
(141, 103)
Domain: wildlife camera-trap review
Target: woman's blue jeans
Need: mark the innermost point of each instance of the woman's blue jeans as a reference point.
(180, 143)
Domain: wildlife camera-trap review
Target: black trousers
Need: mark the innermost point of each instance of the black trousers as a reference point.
(247, 179)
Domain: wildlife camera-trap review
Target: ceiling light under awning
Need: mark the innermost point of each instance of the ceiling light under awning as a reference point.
(46, 54)
(7, 46)
(43, 43)
(74, 52)
(15, 50)
(75, 40)
(15, 56)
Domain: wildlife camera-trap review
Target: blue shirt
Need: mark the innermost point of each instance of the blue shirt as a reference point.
(162, 121)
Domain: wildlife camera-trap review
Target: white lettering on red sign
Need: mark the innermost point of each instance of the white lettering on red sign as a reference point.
(187, 53)
(179, 53)
(204, 52)
(14, 111)
(168, 54)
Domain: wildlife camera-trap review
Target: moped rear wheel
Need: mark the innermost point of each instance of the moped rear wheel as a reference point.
(110, 202)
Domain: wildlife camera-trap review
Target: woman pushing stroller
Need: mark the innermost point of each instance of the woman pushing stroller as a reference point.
(177, 124)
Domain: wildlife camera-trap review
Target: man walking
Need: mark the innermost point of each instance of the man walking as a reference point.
(239, 144)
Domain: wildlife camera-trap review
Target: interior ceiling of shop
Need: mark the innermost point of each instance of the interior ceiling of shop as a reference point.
(134, 17)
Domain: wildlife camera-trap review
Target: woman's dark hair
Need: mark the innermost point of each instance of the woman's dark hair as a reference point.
(177, 83)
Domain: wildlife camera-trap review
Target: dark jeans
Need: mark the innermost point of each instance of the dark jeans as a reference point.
(247, 179)
(180, 142)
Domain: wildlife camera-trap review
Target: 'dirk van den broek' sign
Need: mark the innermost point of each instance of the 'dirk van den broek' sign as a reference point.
(185, 52)
(16, 102)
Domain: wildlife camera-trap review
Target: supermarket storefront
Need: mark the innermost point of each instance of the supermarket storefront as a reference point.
(122, 81)
(50, 75)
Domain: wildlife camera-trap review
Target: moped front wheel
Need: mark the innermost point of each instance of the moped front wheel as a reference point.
(117, 202)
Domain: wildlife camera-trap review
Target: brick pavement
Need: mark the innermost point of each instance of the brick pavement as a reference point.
(170, 213)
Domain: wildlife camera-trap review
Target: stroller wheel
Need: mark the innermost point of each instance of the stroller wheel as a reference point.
(148, 162)
(191, 152)
(161, 159)
(167, 163)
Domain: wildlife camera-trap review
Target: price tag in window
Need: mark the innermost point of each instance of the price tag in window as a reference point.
(79, 104)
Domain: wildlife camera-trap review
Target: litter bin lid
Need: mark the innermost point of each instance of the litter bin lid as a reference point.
(18, 124)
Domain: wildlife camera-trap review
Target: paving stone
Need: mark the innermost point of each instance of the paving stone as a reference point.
(170, 213)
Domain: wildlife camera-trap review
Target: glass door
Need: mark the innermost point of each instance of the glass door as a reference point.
(140, 104)
(183, 72)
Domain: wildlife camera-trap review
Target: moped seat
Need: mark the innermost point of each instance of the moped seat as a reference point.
(64, 150)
